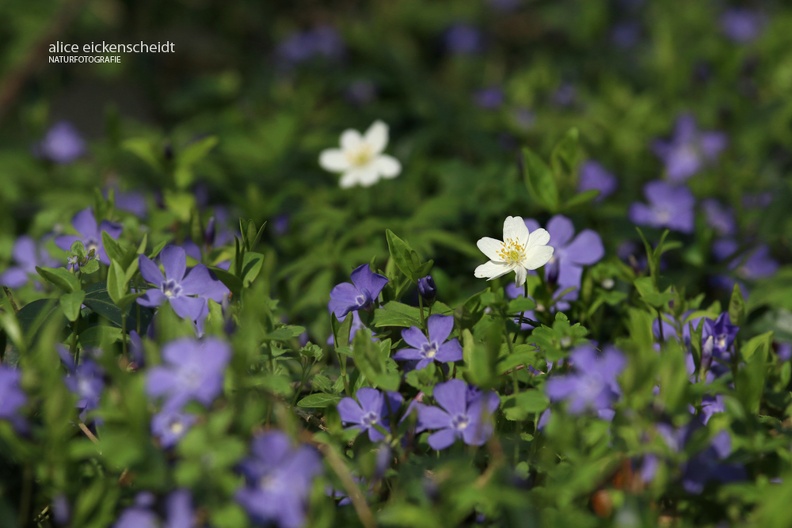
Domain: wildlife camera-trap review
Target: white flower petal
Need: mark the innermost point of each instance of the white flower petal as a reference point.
(333, 160)
(492, 270)
(367, 176)
(350, 140)
(520, 274)
(514, 228)
(538, 237)
(490, 247)
(536, 257)
(387, 166)
(377, 136)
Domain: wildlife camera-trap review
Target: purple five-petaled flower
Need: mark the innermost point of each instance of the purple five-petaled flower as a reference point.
(90, 234)
(669, 206)
(462, 413)
(27, 256)
(435, 348)
(170, 425)
(717, 338)
(178, 507)
(61, 144)
(188, 292)
(372, 409)
(278, 480)
(593, 176)
(361, 294)
(565, 267)
(193, 370)
(742, 25)
(689, 150)
(592, 385)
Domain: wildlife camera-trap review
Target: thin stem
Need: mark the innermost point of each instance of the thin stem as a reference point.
(660, 326)
(421, 306)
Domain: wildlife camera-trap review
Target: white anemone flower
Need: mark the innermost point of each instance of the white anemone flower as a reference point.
(519, 251)
(361, 158)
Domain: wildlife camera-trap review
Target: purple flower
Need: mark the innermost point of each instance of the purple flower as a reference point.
(593, 384)
(565, 95)
(193, 370)
(708, 466)
(187, 292)
(784, 351)
(278, 480)
(721, 333)
(689, 150)
(90, 234)
(489, 98)
(170, 425)
(361, 294)
(178, 507)
(85, 380)
(12, 398)
(299, 47)
(462, 413)
(757, 265)
(435, 348)
(427, 289)
(626, 35)
(61, 144)
(742, 25)
(463, 39)
(354, 328)
(27, 256)
(669, 206)
(373, 409)
(719, 218)
(504, 6)
(565, 267)
(593, 175)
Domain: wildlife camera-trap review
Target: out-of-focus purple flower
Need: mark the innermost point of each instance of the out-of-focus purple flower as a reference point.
(278, 480)
(524, 118)
(371, 409)
(461, 414)
(669, 206)
(435, 348)
(302, 46)
(178, 507)
(708, 466)
(187, 292)
(137, 517)
(12, 398)
(719, 218)
(61, 144)
(361, 92)
(427, 289)
(26, 256)
(489, 98)
(757, 200)
(571, 254)
(565, 95)
(758, 264)
(463, 39)
(593, 384)
(784, 351)
(85, 380)
(130, 201)
(593, 175)
(170, 425)
(711, 405)
(280, 224)
(689, 150)
(742, 25)
(626, 35)
(90, 234)
(192, 370)
(361, 294)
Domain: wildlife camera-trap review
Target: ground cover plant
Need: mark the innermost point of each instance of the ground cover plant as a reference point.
(498, 263)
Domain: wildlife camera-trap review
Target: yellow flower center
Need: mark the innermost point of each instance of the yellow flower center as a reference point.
(511, 251)
(360, 156)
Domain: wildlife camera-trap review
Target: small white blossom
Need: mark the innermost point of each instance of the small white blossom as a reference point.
(361, 158)
(519, 251)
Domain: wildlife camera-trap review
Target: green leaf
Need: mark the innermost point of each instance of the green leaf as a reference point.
(145, 150)
(736, 306)
(580, 199)
(231, 281)
(540, 181)
(397, 314)
(92, 266)
(521, 304)
(750, 380)
(71, 303)
(319, 400)
(100, 336)
(34, 315)
(405, 257)
(197, 150)
(566, 154)
(284, 333)
(251, 267)
(60, 277)
(650, 295)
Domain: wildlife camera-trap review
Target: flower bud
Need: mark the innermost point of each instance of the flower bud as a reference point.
(427, 289)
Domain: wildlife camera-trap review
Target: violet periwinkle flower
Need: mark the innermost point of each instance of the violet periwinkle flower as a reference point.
(188, 292)
(321, 42)
(90, 234)
(192, 370)
(742, 25)
(717, 338)
(719, 218)
(278, 480)
(12, 397)
(61, 144)
(689, 150)
(170, 425)
(361, 294)
(593, 175)
(435, 348)
(27, 256)
(427, 289)
(463, 39)
(489, 98)
(571, 253)
(178, 508)
(592, 385)
(371, 410)
(669, 206)
(461, 413)
(784, 351)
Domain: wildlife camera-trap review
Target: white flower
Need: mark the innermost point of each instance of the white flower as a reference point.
(360, 158)
(519, 252)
